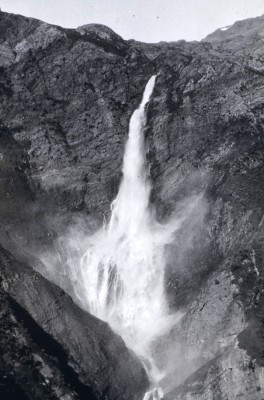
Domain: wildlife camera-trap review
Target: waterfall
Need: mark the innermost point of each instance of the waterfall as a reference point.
(123, 267)
(117, 274)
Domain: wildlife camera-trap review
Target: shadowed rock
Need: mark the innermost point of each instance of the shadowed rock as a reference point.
(90, 358)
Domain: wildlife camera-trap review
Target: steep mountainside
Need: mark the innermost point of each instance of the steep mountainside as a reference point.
(66, 100)
(50, 348)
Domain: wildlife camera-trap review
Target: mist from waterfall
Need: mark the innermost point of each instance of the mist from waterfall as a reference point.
(123, 268)
(120, 278)
(118, 272)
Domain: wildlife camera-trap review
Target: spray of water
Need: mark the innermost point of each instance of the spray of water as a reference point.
(123, 267)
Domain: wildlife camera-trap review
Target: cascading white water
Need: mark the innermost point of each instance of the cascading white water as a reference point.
(123, 268)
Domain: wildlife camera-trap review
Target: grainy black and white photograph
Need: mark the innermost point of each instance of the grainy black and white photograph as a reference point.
(132, 200)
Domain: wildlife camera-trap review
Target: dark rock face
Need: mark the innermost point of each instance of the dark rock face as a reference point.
(66, 100)
(69, 353)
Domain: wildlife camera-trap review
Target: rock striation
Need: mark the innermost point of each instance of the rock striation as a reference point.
(66, 100)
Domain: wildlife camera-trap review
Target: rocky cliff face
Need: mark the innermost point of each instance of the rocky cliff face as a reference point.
(50, 348)
(66, 99)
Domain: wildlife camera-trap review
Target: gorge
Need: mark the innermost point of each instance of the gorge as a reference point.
(67, 97)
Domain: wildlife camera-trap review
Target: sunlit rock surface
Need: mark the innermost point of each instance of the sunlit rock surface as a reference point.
(66, 100)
